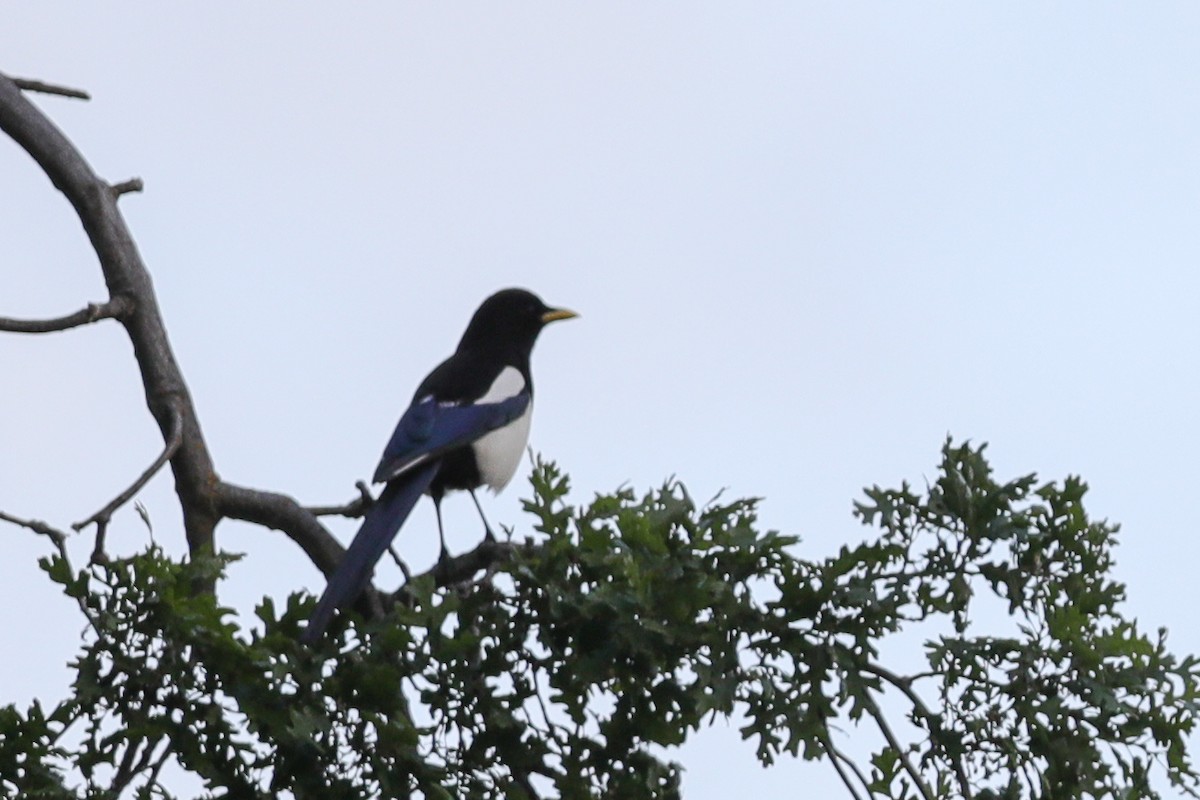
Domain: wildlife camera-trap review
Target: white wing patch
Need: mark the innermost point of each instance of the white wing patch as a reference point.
(508, 384)
(498, 454)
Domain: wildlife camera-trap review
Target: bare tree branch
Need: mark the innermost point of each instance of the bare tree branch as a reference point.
(358, 508)
(59, 538)
(112, 309)
(355, 508)
(27, 85)
(487, 554)
(400, 563)
(282, 513)
(125, 187)
(126, 277)
(37, 526)
(102, 517)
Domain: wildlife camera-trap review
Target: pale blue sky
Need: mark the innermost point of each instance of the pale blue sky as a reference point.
(807, 241)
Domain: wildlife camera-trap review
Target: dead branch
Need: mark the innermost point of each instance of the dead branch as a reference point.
(126, 277)
(125, 187)
(37, 526)
(101, 518)
(204, 498)
(94, 312)
(59, 538)
(282, 513)
(355, 508)
(26, 85)
(400, 562)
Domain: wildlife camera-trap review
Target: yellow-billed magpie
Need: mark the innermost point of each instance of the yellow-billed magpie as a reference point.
(467, 427)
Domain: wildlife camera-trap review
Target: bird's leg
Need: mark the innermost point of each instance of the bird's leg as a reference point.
(486, 528)
(437, 508)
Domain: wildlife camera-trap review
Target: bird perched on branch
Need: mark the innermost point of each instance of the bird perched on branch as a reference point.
(467, 427)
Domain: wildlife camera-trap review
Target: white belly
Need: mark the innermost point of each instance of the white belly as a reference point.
(498, 453)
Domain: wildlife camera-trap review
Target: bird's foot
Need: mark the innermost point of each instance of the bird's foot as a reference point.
(442, 567)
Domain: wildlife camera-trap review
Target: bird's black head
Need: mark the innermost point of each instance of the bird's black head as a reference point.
(510, 321)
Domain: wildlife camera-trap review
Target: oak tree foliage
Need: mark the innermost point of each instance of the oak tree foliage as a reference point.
(620, 628)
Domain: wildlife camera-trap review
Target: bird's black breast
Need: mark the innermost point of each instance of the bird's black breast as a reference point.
(457, 470)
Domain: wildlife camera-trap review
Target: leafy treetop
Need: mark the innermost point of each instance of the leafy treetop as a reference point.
(574, 666)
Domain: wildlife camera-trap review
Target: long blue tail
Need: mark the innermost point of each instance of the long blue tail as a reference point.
(380, 526)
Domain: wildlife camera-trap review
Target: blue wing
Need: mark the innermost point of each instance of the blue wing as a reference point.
(427, 431)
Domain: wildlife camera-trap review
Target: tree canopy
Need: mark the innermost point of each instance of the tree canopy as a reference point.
(584, 653)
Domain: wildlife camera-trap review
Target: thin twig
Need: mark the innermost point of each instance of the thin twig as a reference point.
(60, 544)
(94, 312)
(836, 757)
(552, 727)
(152, 780)
(931, 719)
(355, 508)
(894, 743)
(127, 769)
(125, 187)
(27, 85)
(102, 517)
(37, 526)
(99, 554)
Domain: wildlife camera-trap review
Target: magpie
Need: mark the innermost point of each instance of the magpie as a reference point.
(467, 427)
